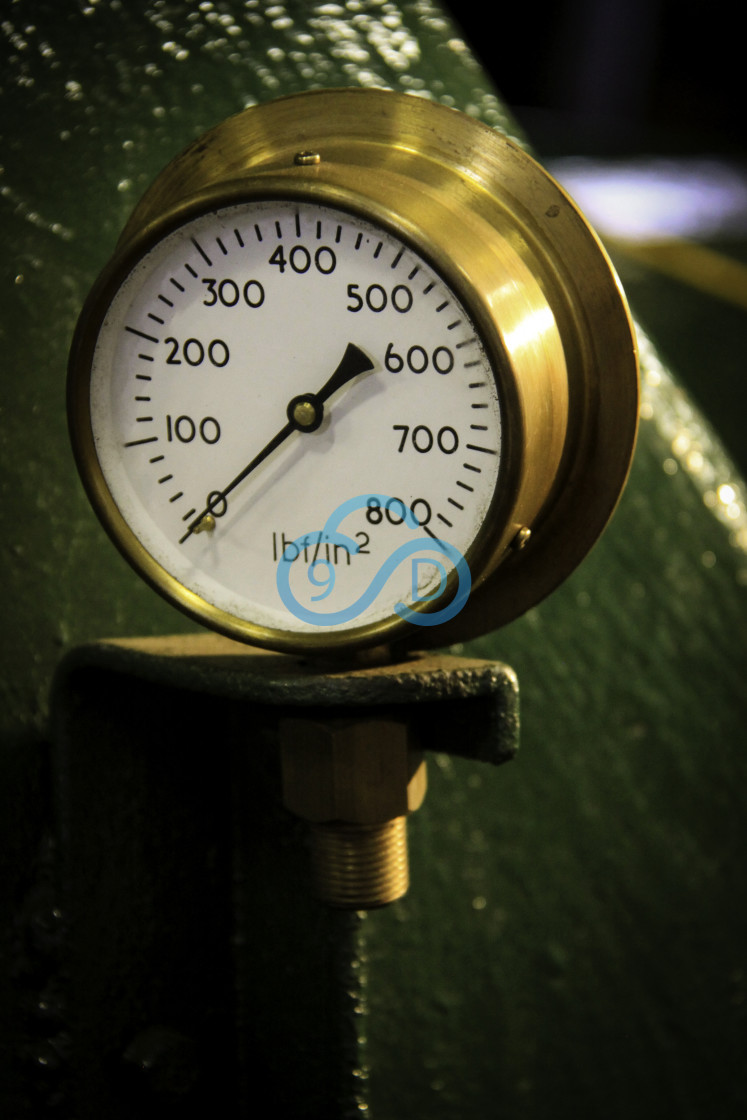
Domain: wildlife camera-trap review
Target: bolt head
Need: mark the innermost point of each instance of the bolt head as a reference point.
(360, 771)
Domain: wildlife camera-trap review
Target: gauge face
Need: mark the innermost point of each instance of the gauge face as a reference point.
(283, 398)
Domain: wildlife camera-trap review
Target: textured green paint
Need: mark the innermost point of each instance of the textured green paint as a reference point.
(703, 338)
(574, 941)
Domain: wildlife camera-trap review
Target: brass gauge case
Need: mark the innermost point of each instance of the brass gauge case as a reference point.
(525, 264)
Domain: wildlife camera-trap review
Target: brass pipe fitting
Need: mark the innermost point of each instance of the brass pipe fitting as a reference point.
(360, 866)
(355, 781)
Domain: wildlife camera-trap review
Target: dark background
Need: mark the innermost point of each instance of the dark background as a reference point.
(616, 76)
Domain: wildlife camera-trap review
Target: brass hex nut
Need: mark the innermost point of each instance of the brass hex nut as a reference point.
(359, 771)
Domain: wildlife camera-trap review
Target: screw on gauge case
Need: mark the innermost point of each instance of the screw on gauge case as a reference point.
(179, 380)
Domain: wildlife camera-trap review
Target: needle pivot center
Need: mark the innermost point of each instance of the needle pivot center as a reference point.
(305, 413)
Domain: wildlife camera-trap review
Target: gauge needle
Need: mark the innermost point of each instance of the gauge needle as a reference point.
(305, 413)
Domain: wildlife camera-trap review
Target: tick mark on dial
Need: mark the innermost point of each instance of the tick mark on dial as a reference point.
(141, 334)
(138, 442)
(201, 251)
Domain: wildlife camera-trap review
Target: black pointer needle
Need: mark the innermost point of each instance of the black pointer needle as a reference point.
(305, 414)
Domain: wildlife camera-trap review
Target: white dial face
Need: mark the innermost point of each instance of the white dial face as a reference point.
(265, 364)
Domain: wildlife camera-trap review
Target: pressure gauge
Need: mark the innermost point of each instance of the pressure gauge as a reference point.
(358, 372)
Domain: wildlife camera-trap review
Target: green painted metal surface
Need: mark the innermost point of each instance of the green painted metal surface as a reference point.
(574, 941)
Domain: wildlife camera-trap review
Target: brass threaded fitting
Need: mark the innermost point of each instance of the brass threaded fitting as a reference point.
(360, 866)
(354, 780)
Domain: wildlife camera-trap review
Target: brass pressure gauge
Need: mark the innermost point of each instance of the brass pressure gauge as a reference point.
(358, 372)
